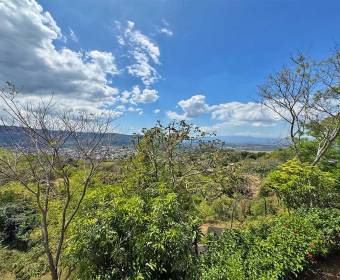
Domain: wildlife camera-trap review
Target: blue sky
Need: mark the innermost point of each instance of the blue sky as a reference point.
(206, 57)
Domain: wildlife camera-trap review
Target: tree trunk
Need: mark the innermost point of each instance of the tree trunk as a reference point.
(54, 273)
(324, 148)
(53, 268)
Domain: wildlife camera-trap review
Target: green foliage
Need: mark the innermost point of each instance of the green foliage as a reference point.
(21, 252)
(176, 156)
(263, 206)
(261, 166)
(141, 216)
(17, 219)
(301, 185)
(129, 237)
(23, 265)
(282, 154)
(273, 249)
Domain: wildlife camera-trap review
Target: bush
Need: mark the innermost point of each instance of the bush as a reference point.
(17, 219)
(301, 185)
(127, 237)
(274, 249)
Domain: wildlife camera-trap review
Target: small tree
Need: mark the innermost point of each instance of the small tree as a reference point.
(186, 160)
(303, 95)
(53, 146)
(164, 154)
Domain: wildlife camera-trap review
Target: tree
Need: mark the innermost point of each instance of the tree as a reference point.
(304, 94)
(55, 144)
(181, 156)
(325, 108)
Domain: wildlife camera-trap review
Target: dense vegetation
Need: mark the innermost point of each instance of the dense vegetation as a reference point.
(180, 206)
(144, 216)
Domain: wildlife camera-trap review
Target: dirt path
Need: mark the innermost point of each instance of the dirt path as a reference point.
(326, 269)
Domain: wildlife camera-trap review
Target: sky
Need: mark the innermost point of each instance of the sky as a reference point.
(148, 60)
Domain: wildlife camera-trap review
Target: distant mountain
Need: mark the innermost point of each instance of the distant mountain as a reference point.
(250, 143)
(9, 135)
(252, 140)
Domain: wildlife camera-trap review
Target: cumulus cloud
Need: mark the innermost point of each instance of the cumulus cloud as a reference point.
(142, 50)
(250, 116)
(239, 112)
(235, 113)
(193, 107)
(226, 115)
(103, 62)
(143, 96)
(30, 59)
(70, 105)
(174, 116)
(138, 96)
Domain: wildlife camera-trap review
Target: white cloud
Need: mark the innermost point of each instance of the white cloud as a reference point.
(246, 129)
(249, 116)
(142, 42)
(194, 106)
(142, 69)
(70, 105)
(227, 116)
(174, 116)
(138, 96)
(156, 111)
(140, 111)
(166, 31)
(73, 36)
(104, 62)
(125, 97)
(143, 96)
(263, 124)
(238, 112)
(30, 59)
(142, 50)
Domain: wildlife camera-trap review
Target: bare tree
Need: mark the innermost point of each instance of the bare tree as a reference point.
(303, 95)
(55, 144)
(325, 108)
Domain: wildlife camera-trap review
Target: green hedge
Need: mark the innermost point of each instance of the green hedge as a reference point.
(273, 249)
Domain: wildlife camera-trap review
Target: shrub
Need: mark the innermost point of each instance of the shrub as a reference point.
(127, 237)
(301, 185)
(274, 249)
(17, 219)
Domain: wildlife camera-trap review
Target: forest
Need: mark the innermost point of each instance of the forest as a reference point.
(182, 205)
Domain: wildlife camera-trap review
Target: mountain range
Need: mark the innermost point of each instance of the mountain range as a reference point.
(10, 134)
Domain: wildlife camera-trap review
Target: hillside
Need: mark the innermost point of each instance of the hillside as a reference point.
(7, 134)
